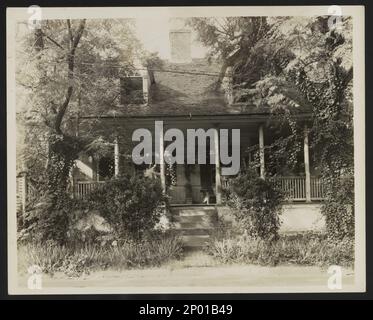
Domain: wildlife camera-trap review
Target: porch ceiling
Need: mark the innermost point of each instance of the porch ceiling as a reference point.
(248, 124)
(241, 121)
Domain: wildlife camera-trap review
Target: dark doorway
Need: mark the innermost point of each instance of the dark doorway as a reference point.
(207, 174)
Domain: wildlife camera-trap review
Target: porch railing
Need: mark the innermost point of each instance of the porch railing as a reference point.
(294, 187)
(21, 193)
(25, 192)
(83, 188)
(317, 189)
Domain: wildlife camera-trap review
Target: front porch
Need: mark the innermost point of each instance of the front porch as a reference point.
(204, 183)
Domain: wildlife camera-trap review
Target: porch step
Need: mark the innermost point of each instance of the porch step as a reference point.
(198, 211)
(195, 241)
(194, 224)
(195, 231)
(204, 224)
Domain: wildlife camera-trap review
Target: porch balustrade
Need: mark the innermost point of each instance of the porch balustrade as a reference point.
(294, 187)
(83, 188)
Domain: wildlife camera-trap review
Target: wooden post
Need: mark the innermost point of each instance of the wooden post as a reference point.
(164, 219)
(162, 167)
(116, 157)
(261, 151)
(24, 192)
(97, 168)
(77, 126)
(217, 167)
(145, 87)
(307, 165)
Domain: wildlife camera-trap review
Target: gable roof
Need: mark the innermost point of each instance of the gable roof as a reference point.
(186, 89)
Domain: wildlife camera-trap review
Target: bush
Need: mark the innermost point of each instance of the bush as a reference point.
(49, 219)
(302, 249)
(256, 204)
(75, 261)
(132, 205)
(338, 208)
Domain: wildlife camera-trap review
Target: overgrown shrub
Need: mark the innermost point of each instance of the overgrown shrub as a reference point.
(311, 249)
(132, 205)
(338, 208)
(49, 219)
(256, 204)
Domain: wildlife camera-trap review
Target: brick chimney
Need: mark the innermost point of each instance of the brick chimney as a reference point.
(180, 44)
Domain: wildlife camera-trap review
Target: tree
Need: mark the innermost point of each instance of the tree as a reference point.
(67, 68)
(292, 64)
(73, 68)
(231, 39)
(319, 77)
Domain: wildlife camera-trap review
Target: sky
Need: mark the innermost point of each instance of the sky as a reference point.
(153, 32)
(154, 35)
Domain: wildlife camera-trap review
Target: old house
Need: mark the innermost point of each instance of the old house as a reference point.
(182, 94)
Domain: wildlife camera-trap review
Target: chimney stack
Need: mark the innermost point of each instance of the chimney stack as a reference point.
(180, 44)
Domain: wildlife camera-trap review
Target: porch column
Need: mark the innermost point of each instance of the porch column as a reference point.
(162, 167)
(307, 165)
(97, 168)
(217, 167)
(261, 151)
(23, 186)
(116, 157)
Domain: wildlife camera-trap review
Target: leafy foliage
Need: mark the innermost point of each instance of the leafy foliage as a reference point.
(49, 219)
(339, 209)
(74, 261)
(132, 205)
(292, 65)
(66, 68)
(256, 205)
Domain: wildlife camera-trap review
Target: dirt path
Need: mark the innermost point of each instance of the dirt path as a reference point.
(199, 273)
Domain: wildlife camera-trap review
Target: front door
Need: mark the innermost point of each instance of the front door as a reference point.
(207, 174)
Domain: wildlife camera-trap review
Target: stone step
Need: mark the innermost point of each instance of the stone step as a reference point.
(203, 224)
(188, 213)
(194, 224)
(195, 241)
(193, 211)
(195, 231)
(194, 221)
(193, 207)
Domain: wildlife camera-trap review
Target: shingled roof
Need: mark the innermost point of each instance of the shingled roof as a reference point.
(188, 89)
(184, 89)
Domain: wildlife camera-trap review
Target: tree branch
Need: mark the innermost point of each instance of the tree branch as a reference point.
(52, 40)
(70, 62)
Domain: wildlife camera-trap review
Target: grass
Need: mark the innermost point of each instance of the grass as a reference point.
(298, 249)
(77, 260)
(166, 251)
(193, 259)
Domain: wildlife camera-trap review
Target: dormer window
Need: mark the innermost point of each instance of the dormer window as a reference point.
(132, 90)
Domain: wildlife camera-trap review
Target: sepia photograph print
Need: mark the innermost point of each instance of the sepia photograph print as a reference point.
(186, 150)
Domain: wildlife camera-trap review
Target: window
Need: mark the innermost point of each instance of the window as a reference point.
(131, 90)
(106, 168)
